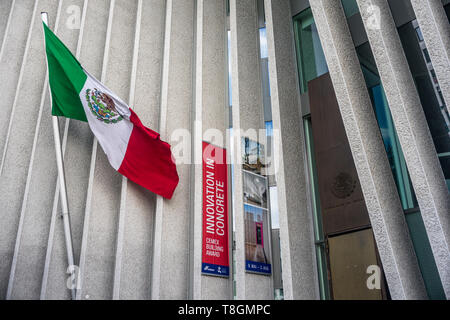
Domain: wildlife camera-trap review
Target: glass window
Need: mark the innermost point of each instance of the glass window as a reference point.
(319, 238)
(419, 34)
(230, 100)
(427, 55)
(425, 255)
(263, 43)
(387, 128)
(310, 57)
(446, 4)
(413, 217)
(428, 89)
(350, 7)
(269, 128)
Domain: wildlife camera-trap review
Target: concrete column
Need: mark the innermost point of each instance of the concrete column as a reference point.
(415, 138)
(211, 112)
(13, 50)
(296, 226)
(23, 92)
(247, 115)
(435, 28)
(170, 264)
(378, 186)
(6, 9)
(132, 274)
(37, 207)
(97, 257)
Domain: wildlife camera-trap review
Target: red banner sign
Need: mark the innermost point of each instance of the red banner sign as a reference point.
(215, 211)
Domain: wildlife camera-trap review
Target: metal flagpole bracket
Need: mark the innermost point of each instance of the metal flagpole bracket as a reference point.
(62, 187)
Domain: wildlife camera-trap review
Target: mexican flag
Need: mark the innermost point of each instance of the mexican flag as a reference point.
(134, 150)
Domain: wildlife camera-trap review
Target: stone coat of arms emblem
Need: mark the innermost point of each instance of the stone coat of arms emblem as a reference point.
(102, 106)
(343, 185)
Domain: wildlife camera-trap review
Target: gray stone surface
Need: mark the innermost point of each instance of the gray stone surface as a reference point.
(378, 186)
(135, 235)
(211, 112)
(170, 264)
(414, 135)
(5, 13)
(36, 210)
(19, 140)
(132, 244)
(12, 52)
(247, 114)
(13, 49)
(296, 225)
(97, 259)
(77, 156)
(435, 28)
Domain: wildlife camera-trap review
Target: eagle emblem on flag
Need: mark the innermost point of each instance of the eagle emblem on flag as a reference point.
(102, 106)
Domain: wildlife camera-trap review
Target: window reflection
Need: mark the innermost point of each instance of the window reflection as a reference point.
(429, 91)
(446, 4)
(310, 57)
(387, 128)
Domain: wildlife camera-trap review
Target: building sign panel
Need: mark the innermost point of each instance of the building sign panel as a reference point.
(215, 258)
(256, 209)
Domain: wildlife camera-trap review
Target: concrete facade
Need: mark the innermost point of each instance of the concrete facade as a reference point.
(299, 276)
(382, 201)
(211, 103)
(414, 134)
(247, 115)
(436, 32)
(169, 60)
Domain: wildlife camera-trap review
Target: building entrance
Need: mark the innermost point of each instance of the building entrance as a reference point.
(351, 252)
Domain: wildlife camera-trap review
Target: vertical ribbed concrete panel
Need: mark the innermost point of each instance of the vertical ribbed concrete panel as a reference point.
(97, 258)
(13, 48)
(296, 226)
(435, 28)
(170, 264)
(77, 148)
(37, 206)
(6, 7)
(211, 112)
(134, 244)
(383, 203)
(247, 114)
(413, 132)
(18, 144)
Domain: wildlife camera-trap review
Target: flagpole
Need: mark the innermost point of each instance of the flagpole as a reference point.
(63, 191)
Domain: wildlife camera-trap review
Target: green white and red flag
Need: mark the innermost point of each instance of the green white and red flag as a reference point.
(134, 150)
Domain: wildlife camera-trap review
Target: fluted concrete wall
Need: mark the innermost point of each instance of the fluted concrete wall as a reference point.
(172, 244)
(167, 59)
(436, 33)
(382, 201)
(120, 42)
(247, 115)
(128, 243)
(297, 249)
(25, 223)
(211, 113)
(414, 135)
